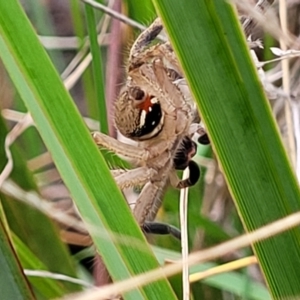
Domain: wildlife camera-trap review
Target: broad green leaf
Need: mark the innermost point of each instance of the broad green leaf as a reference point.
(213, 53)
(112, 227)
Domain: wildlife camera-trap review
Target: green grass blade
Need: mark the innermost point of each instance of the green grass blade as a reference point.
(76, 15)
(75, 154)
(13, 284)
(87, 76)
(49, 288)
(97, 69)
(142, 12)
(43, 23)
(213, 53)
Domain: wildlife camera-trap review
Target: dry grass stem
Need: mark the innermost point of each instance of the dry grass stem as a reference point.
(228, 267)
(32, 198)
(267, 21)
(16, 131)
(184, 237)
(115, 14)
(194, 258)
(56, 276)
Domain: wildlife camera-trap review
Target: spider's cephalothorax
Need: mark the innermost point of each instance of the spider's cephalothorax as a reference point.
(155, 109)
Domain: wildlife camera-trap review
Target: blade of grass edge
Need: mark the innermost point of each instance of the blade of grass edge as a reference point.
(212, 50)
(97, 68)
(116, 235)
(13, 283)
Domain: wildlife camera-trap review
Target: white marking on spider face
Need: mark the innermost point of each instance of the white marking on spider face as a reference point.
(154, 100)
(150, 108)
(143, 118)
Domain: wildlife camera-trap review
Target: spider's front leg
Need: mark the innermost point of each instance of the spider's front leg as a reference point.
(137, 55)
(183, 157)
(134, 177)
(136, 153)
(194, 175)
(126, 150)
(183, 160)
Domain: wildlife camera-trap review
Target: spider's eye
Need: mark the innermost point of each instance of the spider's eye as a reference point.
(137, 93)
(150, 118)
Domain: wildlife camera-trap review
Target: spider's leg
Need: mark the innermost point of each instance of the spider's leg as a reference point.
(192, 180)
(143, 40)
(161, 228)
(175, 97)
(184, 153)
(204, 140)
(149, 201)
(117, 172)
(126, 150)
(199, 133)
(138, 176)
(182, 160)
(133, 152)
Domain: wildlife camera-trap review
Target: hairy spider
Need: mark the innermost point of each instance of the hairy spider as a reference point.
(155, 109)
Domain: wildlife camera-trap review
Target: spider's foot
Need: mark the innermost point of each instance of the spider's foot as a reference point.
(162, 229)
(204, 140)
(193, 178)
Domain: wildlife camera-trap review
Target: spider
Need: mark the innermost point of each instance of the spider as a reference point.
(155, 109)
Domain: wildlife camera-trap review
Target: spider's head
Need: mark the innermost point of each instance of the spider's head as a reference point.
(138, 115)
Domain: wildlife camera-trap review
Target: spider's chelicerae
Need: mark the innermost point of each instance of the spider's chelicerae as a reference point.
(155, 108)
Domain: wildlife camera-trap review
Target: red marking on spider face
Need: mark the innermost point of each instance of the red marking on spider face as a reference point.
(146, 104)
